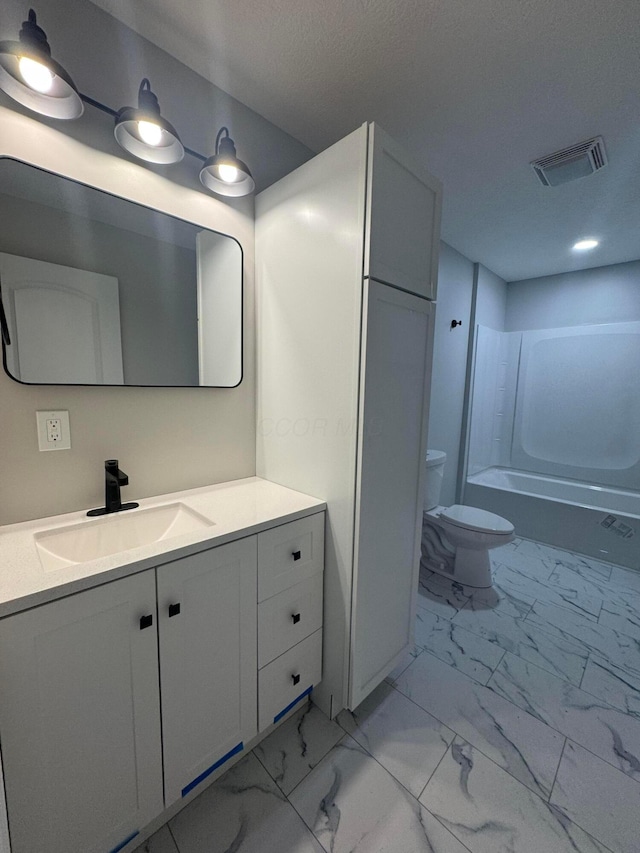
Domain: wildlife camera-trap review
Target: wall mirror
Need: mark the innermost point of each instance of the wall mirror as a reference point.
(99, 290)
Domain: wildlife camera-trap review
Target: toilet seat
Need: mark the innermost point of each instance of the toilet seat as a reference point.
(471, 518)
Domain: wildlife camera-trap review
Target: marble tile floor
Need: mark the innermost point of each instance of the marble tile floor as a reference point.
(513, 726)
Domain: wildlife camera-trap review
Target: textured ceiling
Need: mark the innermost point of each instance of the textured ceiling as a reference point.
(475, 89)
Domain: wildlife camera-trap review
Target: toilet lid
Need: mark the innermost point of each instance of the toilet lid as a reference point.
(476, 519)
(436, 457)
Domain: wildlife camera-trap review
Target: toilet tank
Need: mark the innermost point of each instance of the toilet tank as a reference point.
(433, 479)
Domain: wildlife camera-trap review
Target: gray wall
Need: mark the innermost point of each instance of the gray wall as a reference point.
(601, 295)
(455, 286)
(170, 439)
(490, 299)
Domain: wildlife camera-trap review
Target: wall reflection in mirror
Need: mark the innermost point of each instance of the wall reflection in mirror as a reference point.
(98, 290)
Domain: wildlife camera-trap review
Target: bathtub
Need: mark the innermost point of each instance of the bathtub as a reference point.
(597, 521)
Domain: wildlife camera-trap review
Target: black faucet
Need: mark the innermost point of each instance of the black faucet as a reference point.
(114, 478)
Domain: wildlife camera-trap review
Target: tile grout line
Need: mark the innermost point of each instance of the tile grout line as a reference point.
(462, 737)
(555, 777)
(566, 737)
(311, 769)
(173, 838)
(442, 757)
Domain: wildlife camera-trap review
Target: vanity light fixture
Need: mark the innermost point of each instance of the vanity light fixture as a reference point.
(224, 173)
(144, 133)
(31, 77)
(585, 245)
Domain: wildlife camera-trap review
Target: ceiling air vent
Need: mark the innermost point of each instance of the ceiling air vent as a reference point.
(571, 163)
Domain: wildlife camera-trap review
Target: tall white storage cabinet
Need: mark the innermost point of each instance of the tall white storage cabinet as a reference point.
(346, 264)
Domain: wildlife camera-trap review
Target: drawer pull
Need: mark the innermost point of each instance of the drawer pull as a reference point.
(174, 610)
(146, 621)
(295, 679)
(296, 555)
(295, 617)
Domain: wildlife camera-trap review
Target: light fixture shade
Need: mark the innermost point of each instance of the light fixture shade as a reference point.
(61, 99)
(224, 173)
(168, 149)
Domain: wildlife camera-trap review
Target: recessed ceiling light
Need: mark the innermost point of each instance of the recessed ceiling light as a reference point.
(584, 245)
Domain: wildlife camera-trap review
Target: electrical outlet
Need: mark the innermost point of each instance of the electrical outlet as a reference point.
(53, 430)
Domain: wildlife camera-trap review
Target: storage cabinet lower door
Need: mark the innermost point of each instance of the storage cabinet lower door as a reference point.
(208, 661)
(79, 720)
(395, 360)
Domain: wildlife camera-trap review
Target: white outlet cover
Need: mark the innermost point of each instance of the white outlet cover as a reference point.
(62, 443)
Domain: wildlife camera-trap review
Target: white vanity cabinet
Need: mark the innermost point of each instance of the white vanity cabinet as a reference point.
(290, 582)
(80, 719)
(118, 701)
(346, 264)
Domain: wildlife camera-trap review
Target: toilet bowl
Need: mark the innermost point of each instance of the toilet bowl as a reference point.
(471, 533)
(456, 540)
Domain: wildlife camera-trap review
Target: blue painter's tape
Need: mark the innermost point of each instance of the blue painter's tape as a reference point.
(291, 704)
(125, 842)
(236, 749)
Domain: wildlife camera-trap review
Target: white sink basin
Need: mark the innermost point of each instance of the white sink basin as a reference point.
(112, 534)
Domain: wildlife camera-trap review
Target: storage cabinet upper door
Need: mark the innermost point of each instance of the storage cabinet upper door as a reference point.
(403, 215)
(79, 719)
(207, 614)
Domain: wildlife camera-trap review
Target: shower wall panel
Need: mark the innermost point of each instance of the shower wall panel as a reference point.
(577, 410)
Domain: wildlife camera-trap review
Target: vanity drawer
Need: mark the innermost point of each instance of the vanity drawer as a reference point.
(288, 618)
(289, 554)
(289, 679)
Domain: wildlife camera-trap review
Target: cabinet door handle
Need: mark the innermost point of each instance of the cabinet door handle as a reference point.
(174, 609)
(296, 555)
(295, 679)
(295, 617)
(146, 621)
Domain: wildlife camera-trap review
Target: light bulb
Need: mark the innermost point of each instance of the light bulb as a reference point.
(227, 173)
(36, 75)
(584, 245)
(149, 132)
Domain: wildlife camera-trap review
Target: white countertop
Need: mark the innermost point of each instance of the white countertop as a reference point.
(238, 508)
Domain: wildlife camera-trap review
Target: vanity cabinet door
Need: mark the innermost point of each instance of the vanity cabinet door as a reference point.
(79, 719)
(403, 219)
(207, 612)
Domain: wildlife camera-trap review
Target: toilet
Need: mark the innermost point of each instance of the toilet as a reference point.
(456, 540)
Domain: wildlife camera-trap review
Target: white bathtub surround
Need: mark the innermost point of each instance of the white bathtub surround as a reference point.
(563, 513)
(555, 424)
